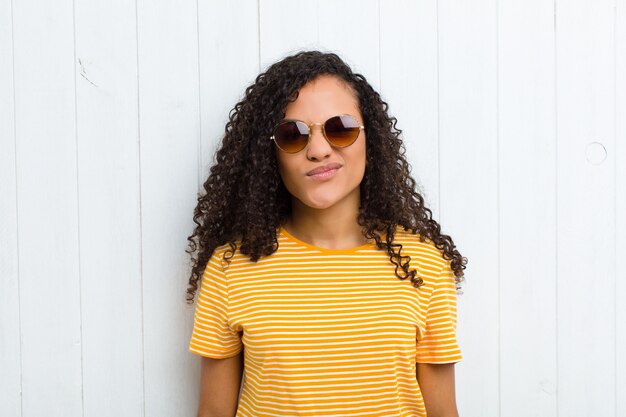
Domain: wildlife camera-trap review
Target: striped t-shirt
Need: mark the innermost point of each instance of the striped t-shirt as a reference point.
(328, 332)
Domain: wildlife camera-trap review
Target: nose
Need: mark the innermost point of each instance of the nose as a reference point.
(318, 147)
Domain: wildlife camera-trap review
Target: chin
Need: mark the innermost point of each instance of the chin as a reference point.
(324, 201)
(319, 205)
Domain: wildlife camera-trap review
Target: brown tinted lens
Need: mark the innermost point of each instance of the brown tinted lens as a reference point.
(291, 136)
(342, 130)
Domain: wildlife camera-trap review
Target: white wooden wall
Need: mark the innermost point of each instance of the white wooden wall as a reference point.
(514, 120)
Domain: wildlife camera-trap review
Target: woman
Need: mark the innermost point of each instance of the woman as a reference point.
(304, 237)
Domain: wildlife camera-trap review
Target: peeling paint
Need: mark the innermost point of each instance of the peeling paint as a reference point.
(83, 73)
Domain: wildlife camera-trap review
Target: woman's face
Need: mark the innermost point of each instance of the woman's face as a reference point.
(318, 100)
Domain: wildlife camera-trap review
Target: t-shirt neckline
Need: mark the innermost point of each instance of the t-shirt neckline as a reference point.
(289, 236)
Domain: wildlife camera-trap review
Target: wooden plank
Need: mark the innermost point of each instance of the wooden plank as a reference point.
(585, 192)
(109, 207)
(468, 172)
(527, 180)
(620, 207)
(170, 148)
(10, 355)
(47, 206)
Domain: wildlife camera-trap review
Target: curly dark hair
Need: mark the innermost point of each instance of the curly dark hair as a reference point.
(246, 200)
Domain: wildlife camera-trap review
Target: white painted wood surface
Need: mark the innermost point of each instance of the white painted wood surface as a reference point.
(513, 115)
(586, 272)
(526, 205)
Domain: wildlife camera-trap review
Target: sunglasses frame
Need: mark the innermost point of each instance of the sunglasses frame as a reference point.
(310, 127)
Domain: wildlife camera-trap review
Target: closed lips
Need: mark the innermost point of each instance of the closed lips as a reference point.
(324, 168)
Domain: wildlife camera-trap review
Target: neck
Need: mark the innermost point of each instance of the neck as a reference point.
(335, 227)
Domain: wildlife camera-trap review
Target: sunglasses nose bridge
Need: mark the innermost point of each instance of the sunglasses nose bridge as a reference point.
(322, 131)
(310, 125)
(321, 126)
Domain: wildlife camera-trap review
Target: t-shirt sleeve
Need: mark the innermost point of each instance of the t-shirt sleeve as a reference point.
(212, 335)
(439, 343)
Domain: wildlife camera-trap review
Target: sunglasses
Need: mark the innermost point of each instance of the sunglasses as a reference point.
(293, 135)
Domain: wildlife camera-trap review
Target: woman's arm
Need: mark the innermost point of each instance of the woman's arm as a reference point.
(436, 382)
(219, 386)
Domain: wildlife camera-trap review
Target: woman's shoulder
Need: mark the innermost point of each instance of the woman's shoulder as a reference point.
(422, 250)
(224, 251)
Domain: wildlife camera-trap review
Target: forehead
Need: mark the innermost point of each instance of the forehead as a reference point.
(322, 97)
